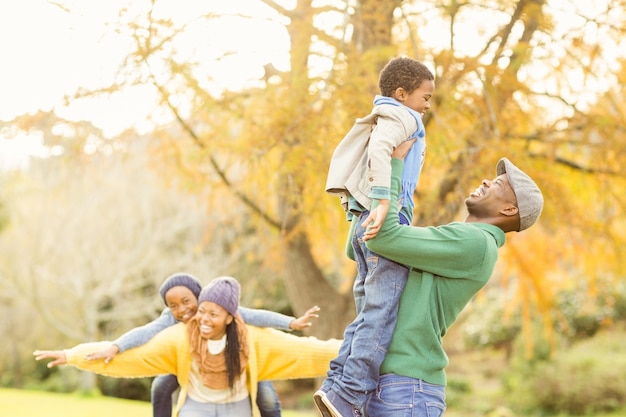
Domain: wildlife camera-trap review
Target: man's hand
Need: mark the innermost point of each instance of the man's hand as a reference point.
(304, 321)
(106, 354)
(402, 149)
(57, 355)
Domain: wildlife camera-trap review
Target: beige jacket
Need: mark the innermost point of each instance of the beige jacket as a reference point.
(362, 159)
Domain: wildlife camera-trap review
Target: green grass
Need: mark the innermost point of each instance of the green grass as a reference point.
(15, 402)
(22, 403)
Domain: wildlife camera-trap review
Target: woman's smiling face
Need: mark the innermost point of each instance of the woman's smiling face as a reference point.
(213, 319)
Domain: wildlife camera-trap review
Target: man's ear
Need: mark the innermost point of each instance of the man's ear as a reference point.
(509, 211)
(512, 222)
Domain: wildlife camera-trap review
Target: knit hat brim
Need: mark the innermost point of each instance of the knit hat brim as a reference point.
(223, 291)
(180, 279)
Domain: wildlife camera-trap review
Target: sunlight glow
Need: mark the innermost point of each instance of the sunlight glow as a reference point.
(50, 48)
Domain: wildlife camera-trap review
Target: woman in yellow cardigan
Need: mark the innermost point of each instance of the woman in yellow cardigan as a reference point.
(217, 358)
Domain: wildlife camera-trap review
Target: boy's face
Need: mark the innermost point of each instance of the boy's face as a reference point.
(182, 303)
(417, 100)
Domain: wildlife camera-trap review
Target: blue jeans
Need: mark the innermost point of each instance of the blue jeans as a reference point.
(193, 408)
(401, 396)
(377, 289)
(267, 399)
(164, 386)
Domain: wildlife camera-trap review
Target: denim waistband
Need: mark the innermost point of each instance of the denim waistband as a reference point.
(403, 219)
(400, 379)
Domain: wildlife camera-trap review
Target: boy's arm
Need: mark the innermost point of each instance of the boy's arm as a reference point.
(388, 134)
(266, 318)
(380, 208)
(140, 335)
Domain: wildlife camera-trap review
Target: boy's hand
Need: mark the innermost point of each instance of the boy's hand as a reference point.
(375, 220)
(57, 355)
(106, 354)
(304, 321)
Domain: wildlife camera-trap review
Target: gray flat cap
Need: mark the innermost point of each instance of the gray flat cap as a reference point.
(529, 197)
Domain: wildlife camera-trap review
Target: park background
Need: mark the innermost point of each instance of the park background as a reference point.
(140, 138)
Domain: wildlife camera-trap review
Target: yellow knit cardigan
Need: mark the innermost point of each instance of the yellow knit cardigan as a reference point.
(273, 355)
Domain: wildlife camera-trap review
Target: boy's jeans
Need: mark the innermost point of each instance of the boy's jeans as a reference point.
(400, 396)
(267, 399)
(163, 386)
(377, 289)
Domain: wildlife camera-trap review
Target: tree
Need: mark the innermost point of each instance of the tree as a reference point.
(505, 76)
(509, 92)
(91, 240)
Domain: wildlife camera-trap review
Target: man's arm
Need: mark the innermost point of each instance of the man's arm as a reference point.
(455, 250)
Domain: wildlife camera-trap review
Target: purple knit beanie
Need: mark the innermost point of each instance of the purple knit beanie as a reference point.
(180, 279)
(223, 291)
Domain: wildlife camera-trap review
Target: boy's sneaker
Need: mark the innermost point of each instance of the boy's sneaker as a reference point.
(332, 405)
(320, 405)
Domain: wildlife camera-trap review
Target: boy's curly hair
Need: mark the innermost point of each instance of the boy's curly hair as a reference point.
(403, 72)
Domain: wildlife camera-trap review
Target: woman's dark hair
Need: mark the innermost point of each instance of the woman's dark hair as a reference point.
(233, 362)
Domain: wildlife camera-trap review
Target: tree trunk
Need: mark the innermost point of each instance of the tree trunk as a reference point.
(373, 23)
(307, 286)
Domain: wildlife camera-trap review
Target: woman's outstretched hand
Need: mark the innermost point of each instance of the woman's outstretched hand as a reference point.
(57, 355)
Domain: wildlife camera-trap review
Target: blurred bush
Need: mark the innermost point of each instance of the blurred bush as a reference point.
(585, 379)
(576, 314)
(127, 388)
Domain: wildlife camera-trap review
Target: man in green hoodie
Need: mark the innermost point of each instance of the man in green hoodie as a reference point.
(449, 265)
